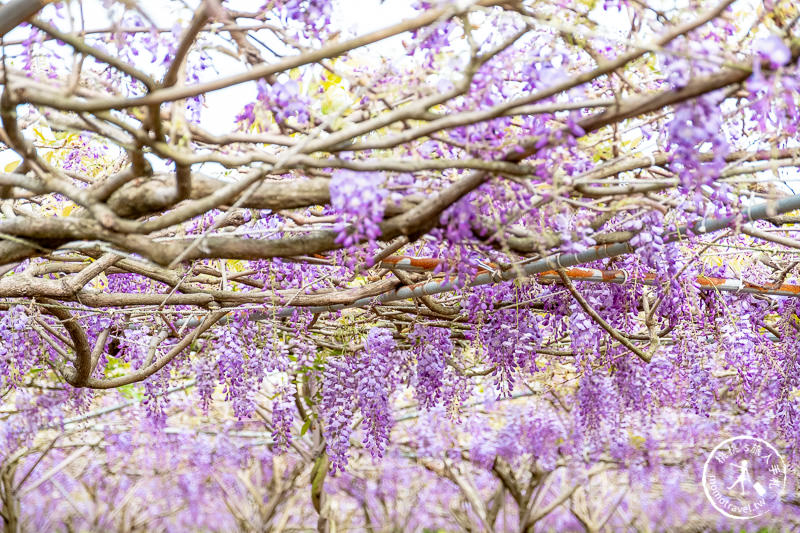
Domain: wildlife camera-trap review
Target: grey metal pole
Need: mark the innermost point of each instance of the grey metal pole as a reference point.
(756, 212)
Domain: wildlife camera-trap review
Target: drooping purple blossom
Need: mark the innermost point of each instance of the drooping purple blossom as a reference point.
(431, 347)
(374, 370)
(774, 50)
(359, 198)
(282, 417)
(336, 410)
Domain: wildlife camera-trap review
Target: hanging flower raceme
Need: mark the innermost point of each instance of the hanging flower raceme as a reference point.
(155, 400)
(18, 343)
(374, 369)
(432, 346)
(598, 413)
(336, 410)
(206, 379)
(698, 144)
(282, 418)
(782, 112)
(575, 233)
(365, 380)
(235, 363)
(510, 339)
(359, 199)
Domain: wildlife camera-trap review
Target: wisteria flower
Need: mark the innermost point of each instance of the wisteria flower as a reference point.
(774, 50)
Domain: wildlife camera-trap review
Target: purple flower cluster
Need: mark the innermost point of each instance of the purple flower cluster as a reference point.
(290, 275)
(359, 199)
(666, 260)
(763, 88)
(701, 386)
(336, 410)
(34, 37)
(304, 351)
(585, 334)
(134, 344)
(275, 354)
(432, 40)
(648, 232)
(241, 367)
(597, 409)
(282, 418)
(531, 431)
(431, 347)
(283, 100)
(565, 225)
(374, 371)
(632, 379)
(510, 339)
(773, 50)
(206, 378)
(697, 124)
(155, 401)
(366, 381)
(231, 372)
(458, 219)
(16, 348)
(315, 15)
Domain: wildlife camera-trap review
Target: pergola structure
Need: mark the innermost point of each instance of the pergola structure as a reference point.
(489, 198)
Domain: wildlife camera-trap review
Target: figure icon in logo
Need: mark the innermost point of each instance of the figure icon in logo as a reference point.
(757, 472)
(744, 476)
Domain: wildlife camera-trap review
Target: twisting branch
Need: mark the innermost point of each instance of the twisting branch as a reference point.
(185, 44)
(600, 321)
(143, 373)
(79, 376)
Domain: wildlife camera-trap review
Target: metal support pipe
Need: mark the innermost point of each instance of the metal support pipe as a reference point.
(756, 212)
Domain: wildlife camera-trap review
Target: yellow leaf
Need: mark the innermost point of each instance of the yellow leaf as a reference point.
(235, 265)
(101, 281)
(11, 167)
(334, 100)
(603, 152)
(67, 210)
(330, 80)
(637, 440)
